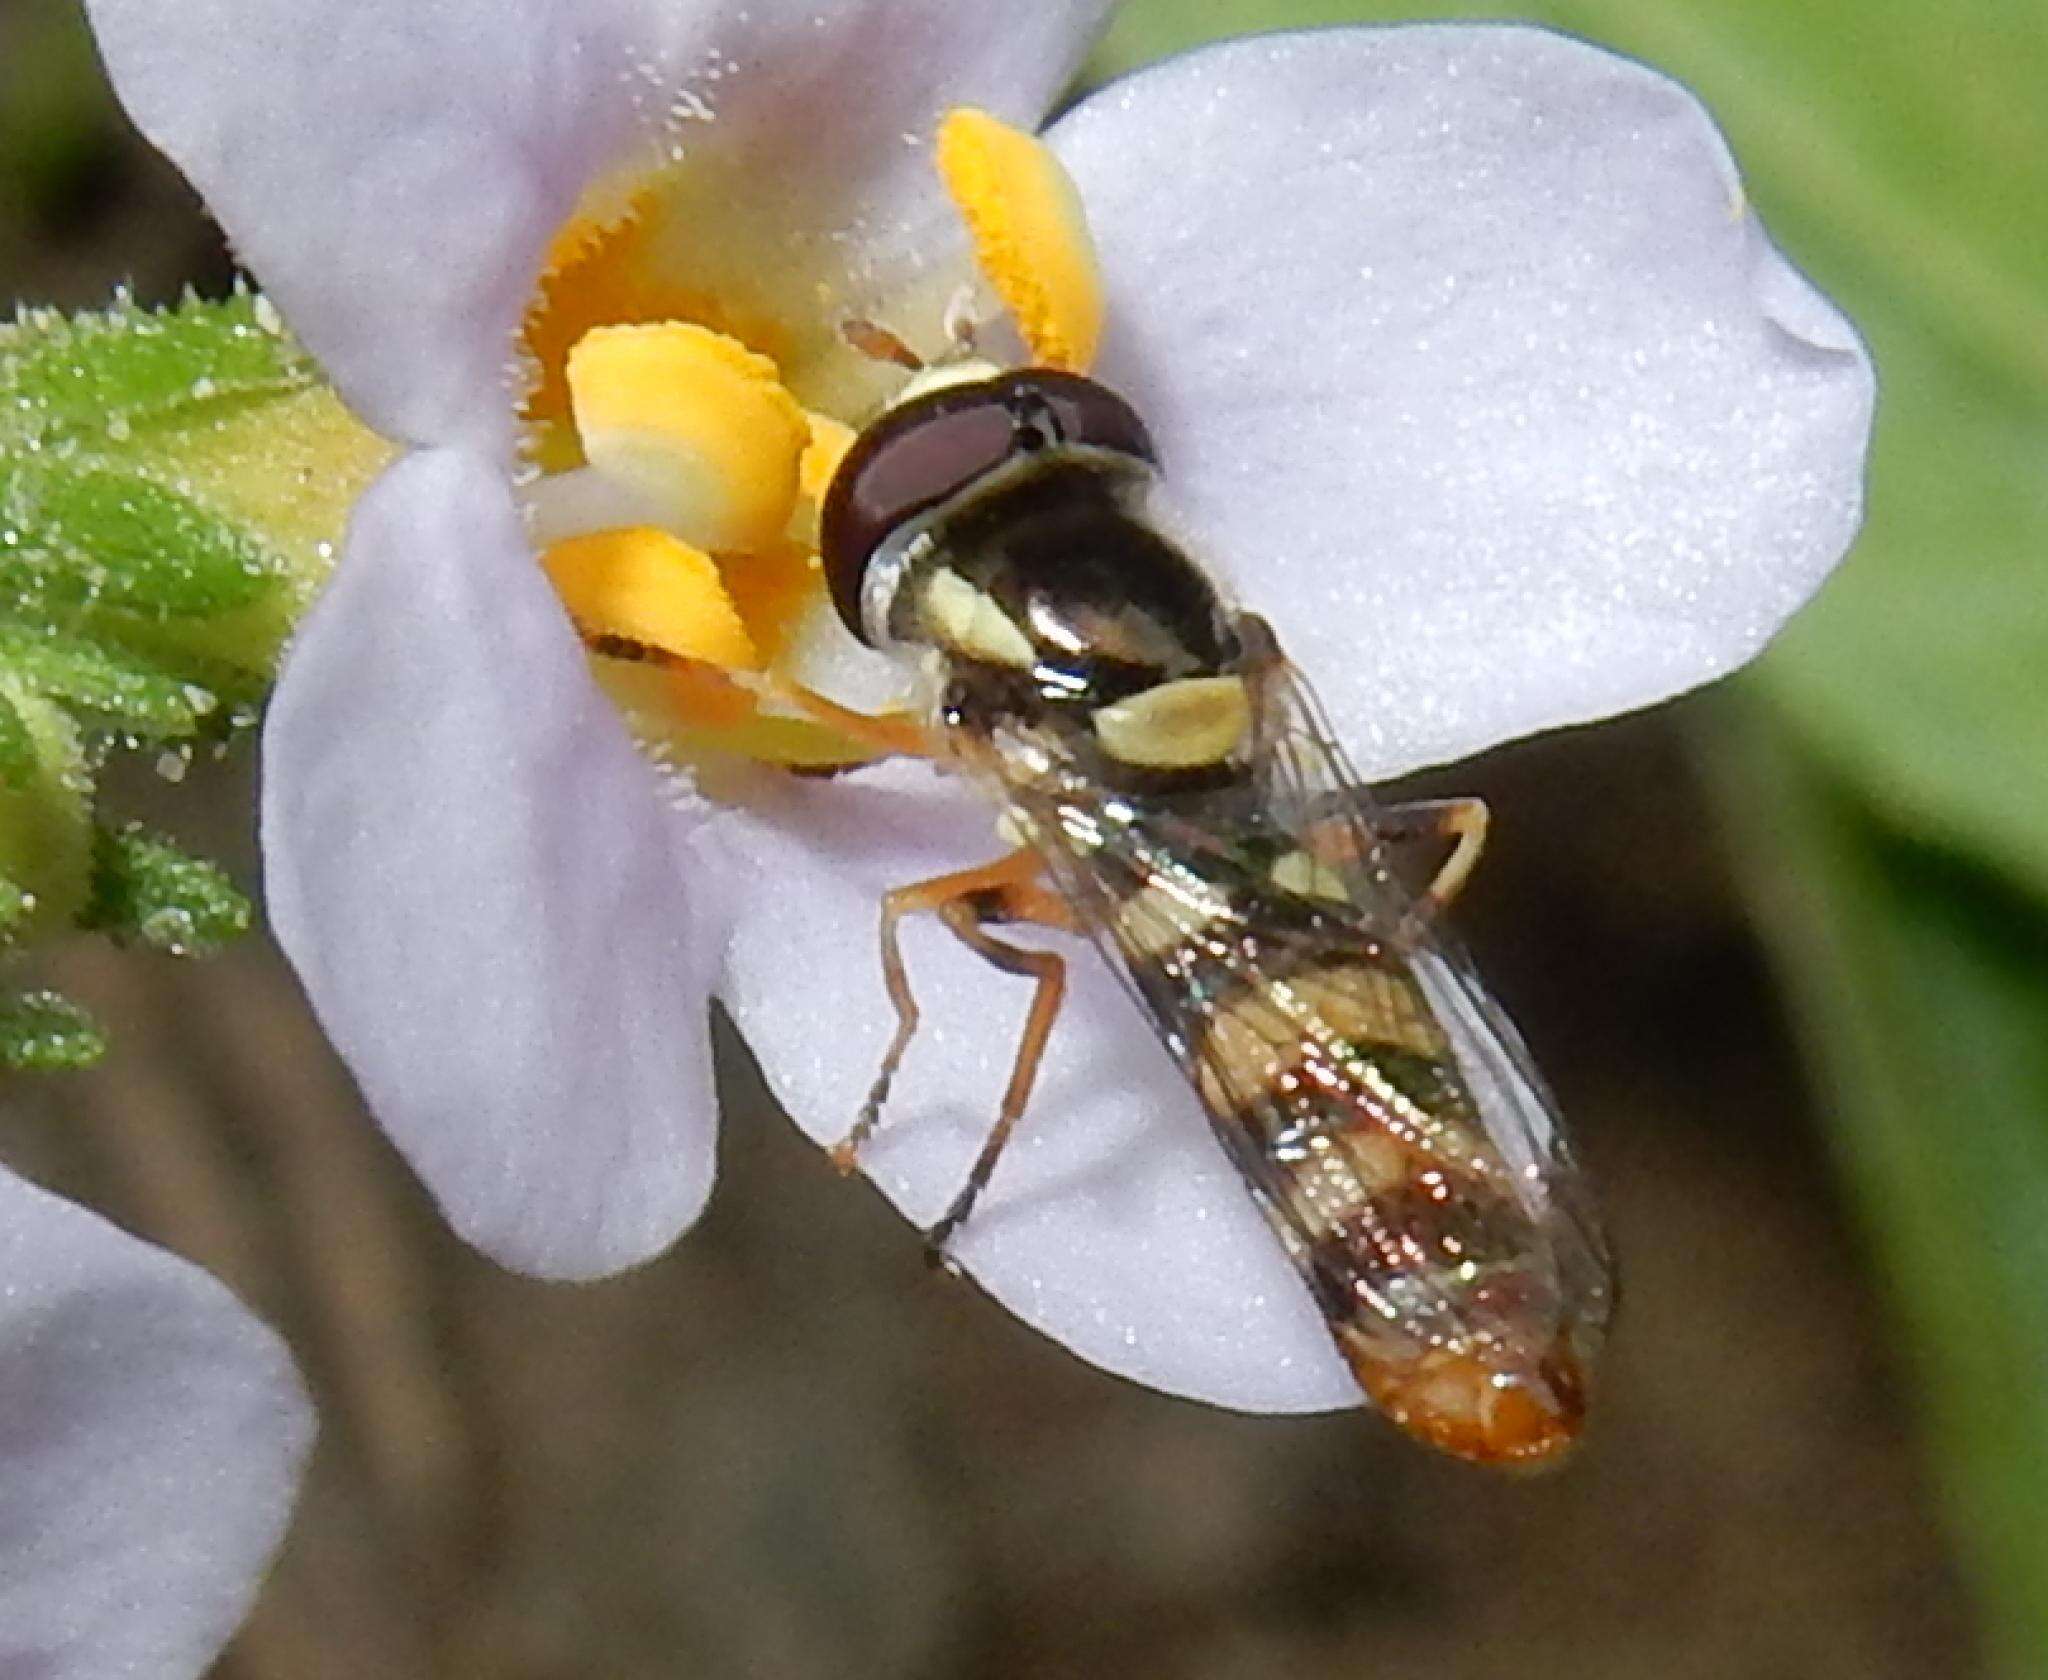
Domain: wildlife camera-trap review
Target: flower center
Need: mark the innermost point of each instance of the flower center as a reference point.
(679, 475)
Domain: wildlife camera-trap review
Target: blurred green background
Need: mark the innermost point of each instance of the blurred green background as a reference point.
(1784, 950)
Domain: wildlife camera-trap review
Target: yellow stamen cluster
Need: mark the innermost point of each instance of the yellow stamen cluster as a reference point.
(712, 576)
(692, 425)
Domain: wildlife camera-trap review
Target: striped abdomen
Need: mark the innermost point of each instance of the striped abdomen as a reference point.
(1333, 1080)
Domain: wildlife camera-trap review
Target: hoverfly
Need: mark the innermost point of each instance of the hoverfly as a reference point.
(1177, 798)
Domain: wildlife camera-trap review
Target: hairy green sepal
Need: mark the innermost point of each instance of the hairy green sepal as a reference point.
(172, 483)
(41, 1032)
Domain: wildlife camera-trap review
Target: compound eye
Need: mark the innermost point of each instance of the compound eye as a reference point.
(1086, 415)
(911, 459)
(935, 446)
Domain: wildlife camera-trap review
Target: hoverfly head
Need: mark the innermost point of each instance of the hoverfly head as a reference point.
(944, 441)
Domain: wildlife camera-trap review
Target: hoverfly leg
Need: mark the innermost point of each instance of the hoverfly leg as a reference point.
(1461, 821)
(1005, 890)
(896, 981)
(966, 916)
(1340, 841)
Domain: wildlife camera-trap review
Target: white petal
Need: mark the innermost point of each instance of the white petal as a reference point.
(808, 193)
(151, 1438)
(1113, 1221)
(1470, 366)
(392, 170)
(477, 879)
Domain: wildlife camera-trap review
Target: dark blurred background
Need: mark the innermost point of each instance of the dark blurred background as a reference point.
(787, 1450)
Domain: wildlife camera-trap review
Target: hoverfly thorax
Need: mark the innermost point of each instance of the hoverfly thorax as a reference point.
(1179, 789)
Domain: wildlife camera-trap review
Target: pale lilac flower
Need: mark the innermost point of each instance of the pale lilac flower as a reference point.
(1470, 368)
(151, 1436)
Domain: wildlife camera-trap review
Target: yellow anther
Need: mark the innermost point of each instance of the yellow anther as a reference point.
(829, 443)
(830, 440)
(771, 592)
(1030, 234)
(696, 424)
(648, 587)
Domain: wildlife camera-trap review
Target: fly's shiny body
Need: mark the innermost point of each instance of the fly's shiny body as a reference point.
(1172, 780)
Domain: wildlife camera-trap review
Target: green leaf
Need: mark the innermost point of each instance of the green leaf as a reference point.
(1923, 997)
(1919, 672)
(103, 380)
(41, 1032)
(145, 889)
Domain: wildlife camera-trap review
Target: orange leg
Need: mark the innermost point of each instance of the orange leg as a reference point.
(1007, 890)
(1462, 821)
(1050, 973)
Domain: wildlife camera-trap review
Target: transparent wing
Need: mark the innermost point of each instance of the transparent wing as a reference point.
(1381, 1109)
